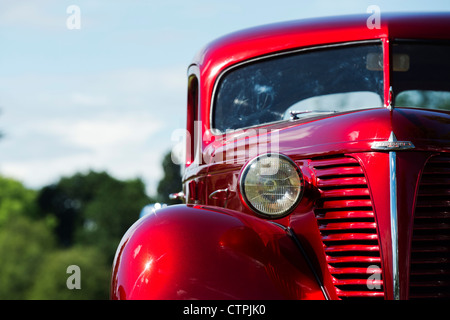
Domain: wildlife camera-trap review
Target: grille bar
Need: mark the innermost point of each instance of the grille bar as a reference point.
(348, 229)
(430, 247)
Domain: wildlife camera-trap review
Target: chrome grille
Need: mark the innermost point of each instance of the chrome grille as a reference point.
(430, 247)
(347, 226)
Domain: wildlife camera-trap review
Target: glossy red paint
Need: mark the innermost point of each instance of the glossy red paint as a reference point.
(279, 37)
(199, 252)
(339, 235)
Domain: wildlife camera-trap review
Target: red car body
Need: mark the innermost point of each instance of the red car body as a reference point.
(372, 218)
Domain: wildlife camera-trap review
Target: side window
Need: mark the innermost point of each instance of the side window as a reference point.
(192, 117)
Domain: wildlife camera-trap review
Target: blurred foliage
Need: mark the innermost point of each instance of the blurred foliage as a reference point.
(93, 208)
(16, 200)
(171, 181)
(52, 275)
(24, 243)
(426, 99)
(79, 220)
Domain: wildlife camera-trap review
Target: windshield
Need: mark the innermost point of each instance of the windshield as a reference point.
(421, 75)
(292, 86)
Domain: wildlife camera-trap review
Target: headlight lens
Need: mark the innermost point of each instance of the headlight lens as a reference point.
(271, 185)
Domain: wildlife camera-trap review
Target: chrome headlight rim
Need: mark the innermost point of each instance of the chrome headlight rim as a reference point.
(244, 198)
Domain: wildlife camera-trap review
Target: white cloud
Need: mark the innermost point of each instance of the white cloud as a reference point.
(120, 121)
(36, 173)
(120, 144)
(105, 131)
(42, 14)
(29, 14)
(87, 100)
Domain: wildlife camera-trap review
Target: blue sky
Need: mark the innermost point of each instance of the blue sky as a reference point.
(108, 96)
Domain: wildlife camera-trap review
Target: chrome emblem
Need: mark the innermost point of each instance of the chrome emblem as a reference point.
(392, 144)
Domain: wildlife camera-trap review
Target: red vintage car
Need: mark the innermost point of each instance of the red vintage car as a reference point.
(317, 167)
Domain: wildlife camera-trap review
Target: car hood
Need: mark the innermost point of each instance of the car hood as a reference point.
(357, 131)
(427, 130)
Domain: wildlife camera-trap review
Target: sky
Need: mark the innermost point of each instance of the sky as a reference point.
(102, 85)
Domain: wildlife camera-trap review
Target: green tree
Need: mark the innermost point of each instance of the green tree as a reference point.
(55, 202)
(171, 181)
(53, 275)
(93, 208)
(77, 221)
(16, 200)
(24, 244)
(107, 216)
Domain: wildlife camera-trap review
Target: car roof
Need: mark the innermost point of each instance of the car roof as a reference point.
(249, 43)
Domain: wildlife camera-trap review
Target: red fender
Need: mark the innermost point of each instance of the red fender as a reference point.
(199, 252)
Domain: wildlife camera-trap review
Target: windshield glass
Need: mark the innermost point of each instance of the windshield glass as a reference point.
(421, 75)
(301, 84)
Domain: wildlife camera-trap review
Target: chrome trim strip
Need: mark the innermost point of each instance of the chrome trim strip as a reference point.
(394, 222)
(392, 144)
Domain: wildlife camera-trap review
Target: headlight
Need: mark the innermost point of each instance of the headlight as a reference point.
(271, 185)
